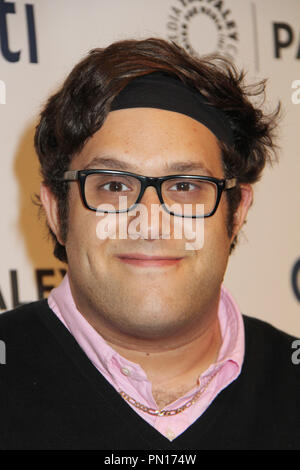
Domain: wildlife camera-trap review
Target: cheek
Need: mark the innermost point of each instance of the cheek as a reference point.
(82, 227)
(213, 256)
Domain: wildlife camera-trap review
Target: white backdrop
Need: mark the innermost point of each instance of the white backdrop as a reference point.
(40, 42)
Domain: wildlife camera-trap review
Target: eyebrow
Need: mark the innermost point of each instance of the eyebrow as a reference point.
(116, 164)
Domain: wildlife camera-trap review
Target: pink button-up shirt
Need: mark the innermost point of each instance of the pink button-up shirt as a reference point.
(132, 379)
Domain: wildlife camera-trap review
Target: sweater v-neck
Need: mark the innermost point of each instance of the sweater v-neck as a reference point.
(151, 437)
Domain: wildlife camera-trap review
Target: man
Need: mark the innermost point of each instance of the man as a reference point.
(141, 346)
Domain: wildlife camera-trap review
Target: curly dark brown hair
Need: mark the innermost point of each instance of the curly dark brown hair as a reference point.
(79, 108)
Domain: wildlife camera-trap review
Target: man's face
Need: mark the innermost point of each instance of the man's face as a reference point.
(144, 301)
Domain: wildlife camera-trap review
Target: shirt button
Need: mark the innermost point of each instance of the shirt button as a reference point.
(170, 434)
(125, 371)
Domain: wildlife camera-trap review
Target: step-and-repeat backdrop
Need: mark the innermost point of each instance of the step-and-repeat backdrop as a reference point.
(40, 42)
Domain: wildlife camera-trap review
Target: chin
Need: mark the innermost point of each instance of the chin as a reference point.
(153, 328)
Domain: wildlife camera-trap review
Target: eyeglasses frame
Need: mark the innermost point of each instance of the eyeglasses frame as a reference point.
(156, 182)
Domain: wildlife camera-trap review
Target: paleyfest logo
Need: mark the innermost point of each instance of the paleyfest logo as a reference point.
(203, 27)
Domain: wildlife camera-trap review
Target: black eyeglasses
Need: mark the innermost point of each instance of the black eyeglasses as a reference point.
(112, 191)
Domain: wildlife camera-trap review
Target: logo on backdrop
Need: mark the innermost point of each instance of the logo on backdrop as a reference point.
(42, 284)
(295, 279)
(7, 10)
(203, 27)
(285, 37)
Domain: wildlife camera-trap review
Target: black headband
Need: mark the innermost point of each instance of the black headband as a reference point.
(163, 91)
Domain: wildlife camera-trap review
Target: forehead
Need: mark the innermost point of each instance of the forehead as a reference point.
(151, 140)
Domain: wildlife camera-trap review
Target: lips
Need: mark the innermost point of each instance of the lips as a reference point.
(139, 259)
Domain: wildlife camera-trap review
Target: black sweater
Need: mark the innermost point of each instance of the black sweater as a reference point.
(52, 397)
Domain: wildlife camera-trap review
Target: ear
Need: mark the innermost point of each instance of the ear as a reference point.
(242, 210)
(49, 202)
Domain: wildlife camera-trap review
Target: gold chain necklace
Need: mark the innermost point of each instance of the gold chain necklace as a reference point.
(152, 411)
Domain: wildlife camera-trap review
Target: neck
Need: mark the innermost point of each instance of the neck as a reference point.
(180, 363)
(173, 359)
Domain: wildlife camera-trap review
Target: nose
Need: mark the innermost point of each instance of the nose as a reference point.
(150, 196)
(152, 225)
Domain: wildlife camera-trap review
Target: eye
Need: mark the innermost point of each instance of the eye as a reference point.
(114, 186)
(184, 186)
